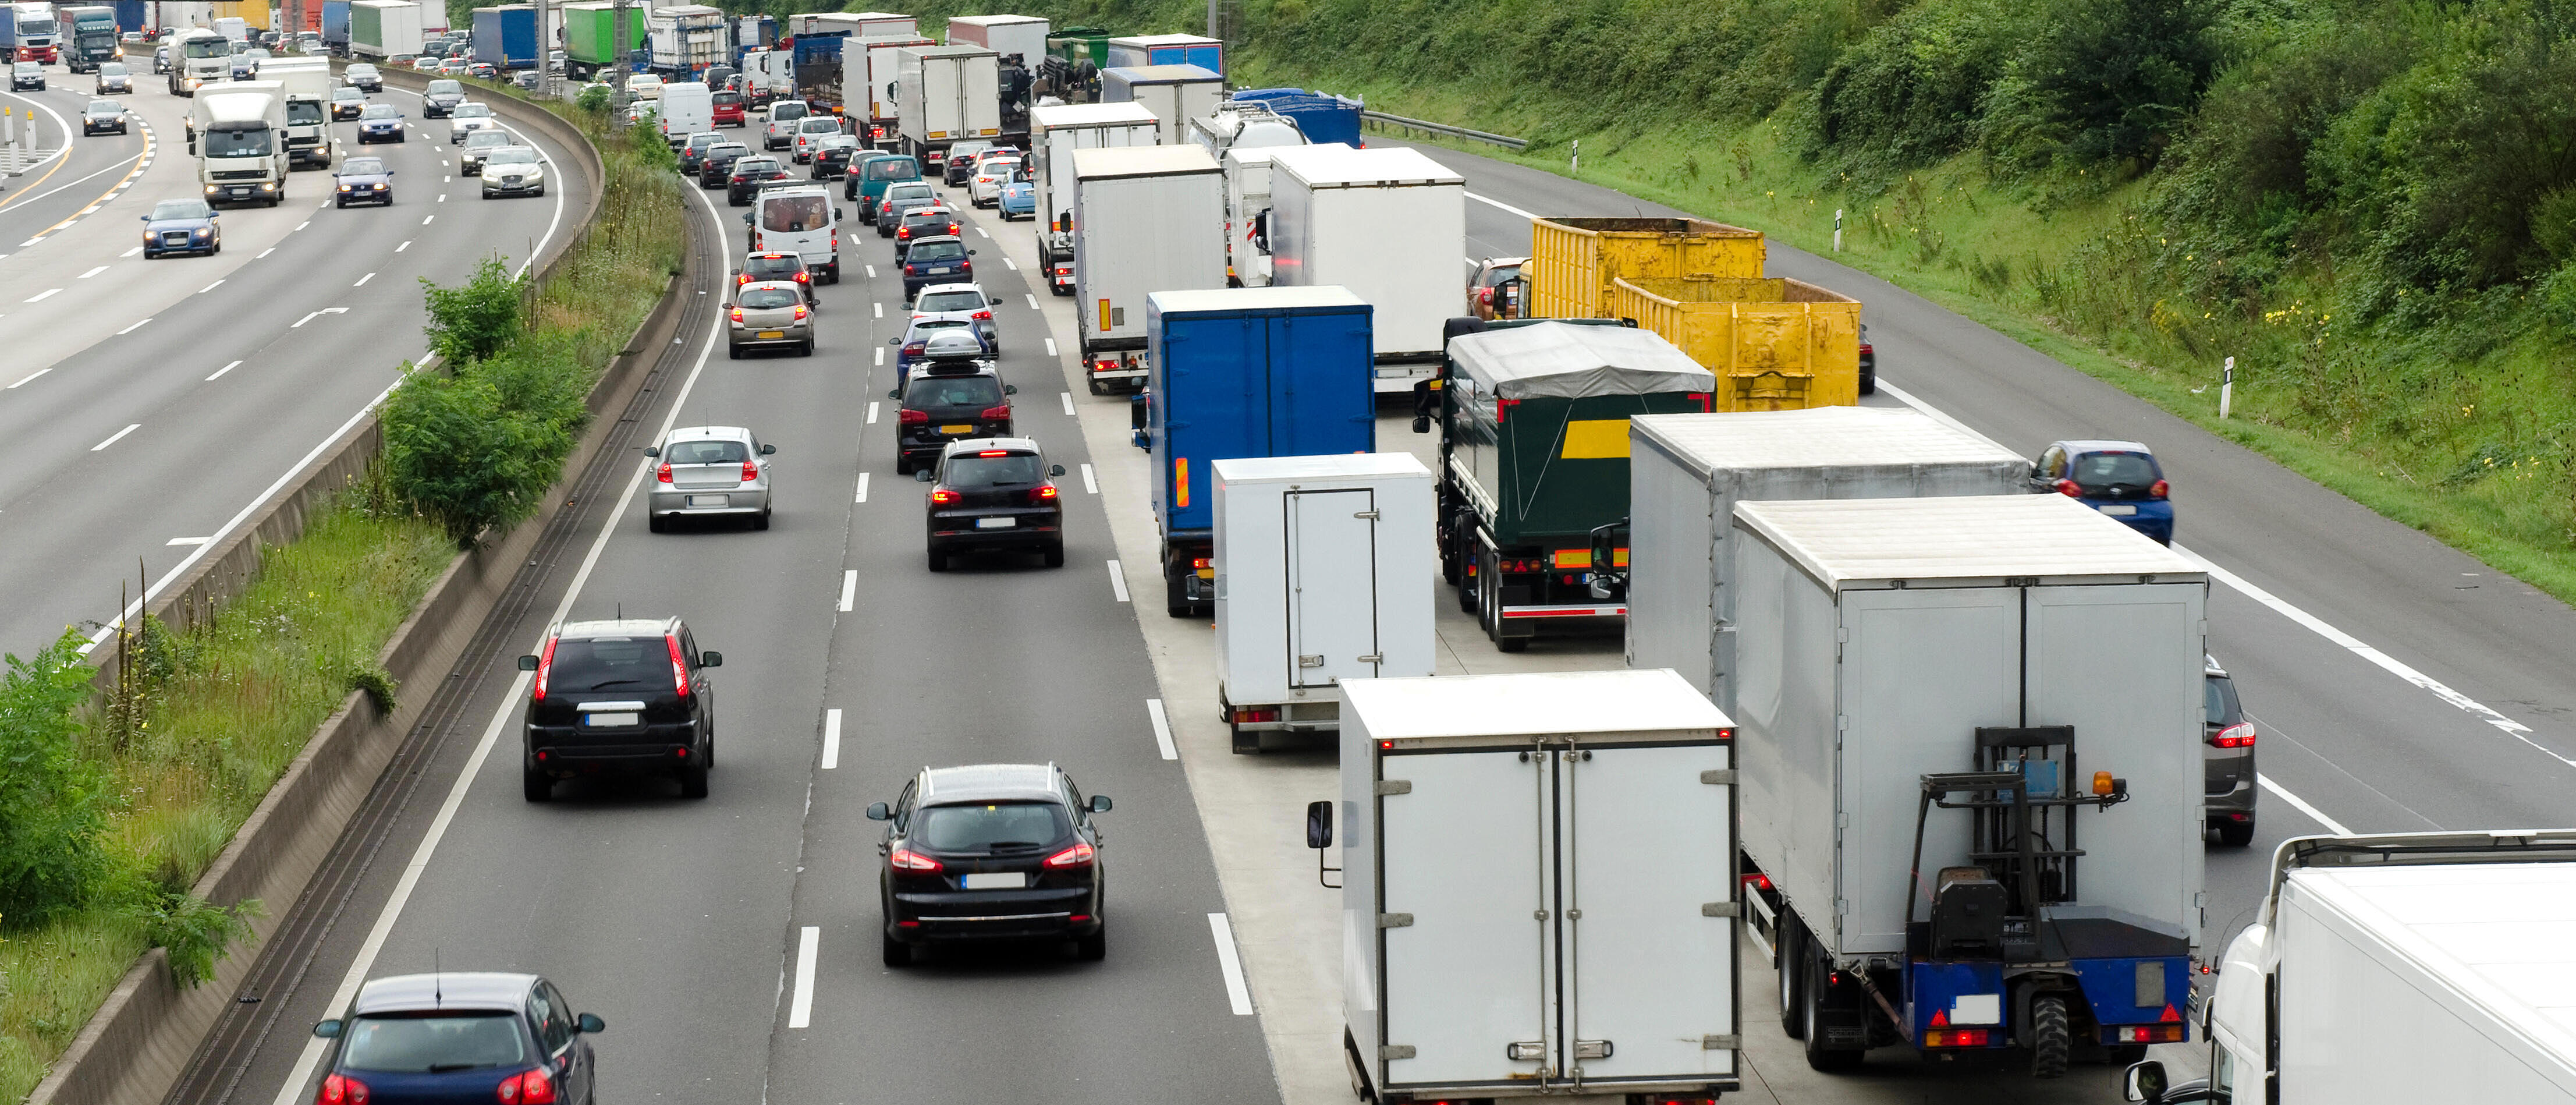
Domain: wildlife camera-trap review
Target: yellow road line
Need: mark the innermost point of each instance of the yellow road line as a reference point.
(150, 140)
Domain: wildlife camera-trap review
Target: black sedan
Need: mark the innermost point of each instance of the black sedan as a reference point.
(347, 103)
(715, 166)
(364, 180)
(994, 494)
(948, 399)
(832, 156)
(181, 226)
(103, 117)
(748, 174)
(991, 852)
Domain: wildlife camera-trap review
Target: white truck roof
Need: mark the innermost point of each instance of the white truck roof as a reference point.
(2503, 933)
(1256, 299)
(1334, 466)
(1819, 437)
(1872, 543)
(1334, 165)
(1167, 74)
(1092, 115)
(1544, 702)
(1109, 162)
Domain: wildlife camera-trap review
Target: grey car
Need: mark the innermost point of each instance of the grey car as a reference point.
(772, 314)
(443, 96)
(2228, 759)
(480, 145)
(469, 118)
(512, 171)
(710, 472)
(347, 103)
(901, 198)
(102, 116)
(964, 303)
(114, 77)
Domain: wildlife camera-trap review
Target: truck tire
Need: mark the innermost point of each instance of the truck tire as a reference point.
(1176, 601)
(1793, 974)
(1828, 1060)
(2051, 1039)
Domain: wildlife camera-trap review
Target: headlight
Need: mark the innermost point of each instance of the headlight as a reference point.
(201, 232)
(211, 189)
(344, 187)
(268, 186)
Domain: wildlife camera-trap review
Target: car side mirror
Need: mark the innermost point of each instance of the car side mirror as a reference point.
(769, 450)
(895, 394)
(970, 253)
(879, 811)
(2144, 1082)
(995, 302)
(527, 663)
(746, 218)
(1055, 470)
(1010, 389)
(838, 214)
(145, 218)
(921, 475)
(656, 450)
(1319, 824)
(894, 341)
(1099, 803)
(330, 1030)
(590, 1022)
(711, 659)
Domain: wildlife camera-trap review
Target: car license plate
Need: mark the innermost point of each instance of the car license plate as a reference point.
(709, 501)
(995, 880)
(996, 523)
(608, 719)
(2119, 510)
(960, 430)
(773, 333)
(943, 268)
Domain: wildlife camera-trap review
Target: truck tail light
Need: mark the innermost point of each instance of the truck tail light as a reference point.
(913, 418)
(1957, 1037)
(1242, 714)
(679, 674)
(1502, 407)
(905, 859)
(1077, 856)
(2068, 489)
(340, 1089)
(1757, 881)
(2239, 735)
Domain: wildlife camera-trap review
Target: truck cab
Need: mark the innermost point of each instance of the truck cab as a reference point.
(306, 83)
(197, 58)
(91, 31)
(240, 142)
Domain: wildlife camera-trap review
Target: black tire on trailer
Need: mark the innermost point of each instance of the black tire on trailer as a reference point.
(1176, 599)
(2052, 1039)
(1822, 1058)
(1792, 969)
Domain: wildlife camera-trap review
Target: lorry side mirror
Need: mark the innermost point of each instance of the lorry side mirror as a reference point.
(1422, 423)
(1319, 825)
(2145, 1082)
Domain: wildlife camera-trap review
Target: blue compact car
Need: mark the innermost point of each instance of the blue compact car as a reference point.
(2119, 478)
(1019, 200)
(380, 123)
(456, 1038)
(181, 226)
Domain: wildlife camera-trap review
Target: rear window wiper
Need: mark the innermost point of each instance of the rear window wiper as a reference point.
(443, 1068)
(612, 683)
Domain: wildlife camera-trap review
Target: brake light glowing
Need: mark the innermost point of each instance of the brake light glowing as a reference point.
(663, 473)
(1043, 493)
(983, 316)
(737, 317)
(2239, 735)
(1758, 881)
(1956, 1037)
(2068, 488)
(994, 453)
(679, 667)
(340, 1089)
(942, 497)
(545, 667)
(800, 313)
(913, 418)
(1077, 856)
(803, 277)
(905, 859)
(1244, 714)
(995, 414)
(2158, 489)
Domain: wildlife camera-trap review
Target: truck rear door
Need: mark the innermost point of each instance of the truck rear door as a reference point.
(1332, 586)
(1648, 985)
(1464, 876)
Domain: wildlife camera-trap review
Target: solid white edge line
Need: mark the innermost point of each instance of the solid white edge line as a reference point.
(849, 589)
(210, 287)
(831, 739)
(1117, 581)
(863, 488)
(1012, 265)
(22, 381)
(1162, 728)
(1068, 402)
(1090, 481)
(1227, 961)
(2301, 804)
(800, 1009)
(263, 253)
(115, 437)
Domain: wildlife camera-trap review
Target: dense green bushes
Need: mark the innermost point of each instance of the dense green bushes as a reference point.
(52, 801)
(476, 446)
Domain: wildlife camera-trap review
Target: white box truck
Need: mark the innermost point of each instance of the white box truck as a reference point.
(1054, 133)
(1323, 574)
(1538, 893)
(854, 24)
(874, 63)
(943, 94)
(1686, 472)
(1247, 198)
(687, 38)
(198, 58)
(1971, 773)
(306, 82)
(2398, 969)
(1384, 223)
(1175, 94)
(1021, 37)
(238, 132)
(379, 29)
(1145, 219)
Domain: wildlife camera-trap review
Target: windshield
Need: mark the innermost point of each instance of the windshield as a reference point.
(436, 87)
(996, 166)
(235, 143)
(1011, 827)
(789, 110)
(111, 69)
(795, 214)
(727, 150)
(768, 266)
(168, 210)
(105, 107)
(429, 1043)
(2098, 472)
(381, 111)
(727, 99)
(362, 71)
(706, 452)
(750, 165)
(937, 302)
(770, 299)
(819, 126)
(894, 168)
(910, 192)
(472, 111)
(207, 48)
(487, 139)
(953, 391)
(981, 471)
(519, 155)
(362, 166)
(936, 251)
(301, 112)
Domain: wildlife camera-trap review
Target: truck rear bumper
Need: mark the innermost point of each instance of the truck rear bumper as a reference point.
(1560, 612)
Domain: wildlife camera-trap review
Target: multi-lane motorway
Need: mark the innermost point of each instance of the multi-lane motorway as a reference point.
(149, 404)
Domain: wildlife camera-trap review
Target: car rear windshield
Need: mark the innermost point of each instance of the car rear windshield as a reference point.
(770, 299)
(608, 663)
(707, 452)
(894, 168)
(819, 125)
(937, 302)
(998, 827)
(433, 1043)
(953, 391)
(982, 471)
(756, 165)
(436, 87)
(2218, 694)
(772, 266)
(727, 99)
(795, 214)
(1497, 275)
(936, 251)
(789, 110)
(2094, 472)
(722, 150)
(902, 192)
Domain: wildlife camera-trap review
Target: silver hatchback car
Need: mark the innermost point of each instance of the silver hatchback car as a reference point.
(965, 303)
(769, 313)
(710, 471)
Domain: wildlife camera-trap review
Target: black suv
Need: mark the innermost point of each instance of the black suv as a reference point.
(937, 260)
(991, 852)
(994, 493)
(2228, 760)
(948, 400)
(749, 173)
(627, 695)
(715, 166)
(920, 225)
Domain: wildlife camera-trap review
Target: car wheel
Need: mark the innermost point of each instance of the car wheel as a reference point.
(1092, 948)
(760, 521)
(338, 204)
(938, 559)
(734, 352)
(693, 781)
(897, 953)
(657, 523)
(2236, 834)
(535, 785)
(807, 349)
(1055, 555)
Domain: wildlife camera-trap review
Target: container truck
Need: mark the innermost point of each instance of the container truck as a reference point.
(1961, 836)
(238, 132)
(1074, 58)
(306, 83)
(1778, 344)
(1323, 574)
(1175, 94)
(1323, 117)
(1538, 899)
(686, 39)
(590, 29)
(853, 24)
(1019, 41)
(766, 74)
(1136, 51)
(820, 75)
(2455, 941)
(30, 32)
(379, 29)
(1384, 223)
(89, 31)
(1247, 201)
(1533, 421)
(200, 57)
(1573, 261)
(883, 59)
(1145, 219)
(1686, 472)
(335, 26)
(1242, 372)
(506, 36)
(943, 94)
(1054, 133)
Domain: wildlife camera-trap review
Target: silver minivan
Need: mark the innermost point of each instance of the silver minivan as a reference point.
(799, 219)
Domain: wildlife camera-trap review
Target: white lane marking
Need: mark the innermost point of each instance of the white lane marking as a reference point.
(133, 328)
(1162, 728)
(872, 271)
(446, 178)
(1050, 347)
(91, 273)
(1090, 482)
(1492, 202)
(880, 356)
(301, 225)
(1033, 300)
(1068, 402)
(220, 371)
(116, 437)
(979, 232)
(831, 739)
(849, 589)
(210, 287)
(2332, 825)
(263, 253)
(308, 318)
(800, 1008)
(1010, 264)
(42, 296)
(863, 488)
(402, 247)
(362, 281)
(442, 197)
(190, 540)
(429, 220)
(30, 376)
(31, 241)
(1236, 993)
(872, 414)
(880, 309)
(1117, 581)
(131, 252)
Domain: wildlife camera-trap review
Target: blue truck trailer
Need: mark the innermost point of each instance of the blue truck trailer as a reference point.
(132, 15)
(1244, 372)
(506, 36)
(1321, 116)
(335, 25)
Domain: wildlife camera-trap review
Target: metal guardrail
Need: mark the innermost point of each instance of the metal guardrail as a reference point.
(1401, 123)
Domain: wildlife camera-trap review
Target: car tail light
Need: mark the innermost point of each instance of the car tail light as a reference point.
(2158, 489)
(952, 228)
(983, 316)
(905, 859)
(2239, 735)
(995, 414)
(751, 469)
(534, 1087)
(912, 418)
(1043, 493)
(663, 473)
(994, 453)
(912, 270)
(942, 497)
(800, 313)
(2068, 488)
(803, 277)
(915, 349)
(679, 666)
(902, 234)
(340, 1089)
(1077, 856)
(741, 278)
(737, 317)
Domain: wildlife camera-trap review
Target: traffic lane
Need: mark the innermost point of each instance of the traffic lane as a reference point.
(969, 666)
(47, 194)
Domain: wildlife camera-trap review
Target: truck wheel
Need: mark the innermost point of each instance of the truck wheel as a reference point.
(1829, 1060)
(1176, 600)
(1793, 973)
(2050, 1038)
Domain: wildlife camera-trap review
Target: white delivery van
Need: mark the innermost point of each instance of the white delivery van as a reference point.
(798, 218)
(686, 108)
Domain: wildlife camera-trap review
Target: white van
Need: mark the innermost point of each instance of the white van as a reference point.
(686, 108)
(799, 219)
(779, 128)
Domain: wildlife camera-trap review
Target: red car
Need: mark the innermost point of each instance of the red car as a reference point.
(727, 110)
